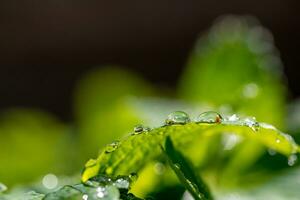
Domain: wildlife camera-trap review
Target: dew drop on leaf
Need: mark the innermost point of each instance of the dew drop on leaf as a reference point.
(112, 147)
(101, 192)
(133, 176)
(251, 123)
(209, 117)
(138, 129)
(177, 117)
(233, 118)
(85, 197)
(177, 166)
(272, 152)
(122, 183)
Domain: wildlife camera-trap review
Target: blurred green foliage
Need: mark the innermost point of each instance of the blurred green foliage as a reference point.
(101, 110)
(32, 143)
(236, 65)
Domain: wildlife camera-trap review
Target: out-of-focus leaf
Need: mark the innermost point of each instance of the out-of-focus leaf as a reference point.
(293, 119)
(33, 143)
(102, 113)
(99, 187)
(154, 110)
(283, 187)
(22, 196)
(185, 172)
(65, 193)
(236, 65)
(132, 153)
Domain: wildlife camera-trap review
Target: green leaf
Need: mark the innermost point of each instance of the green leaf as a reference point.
(133, 152)
(33, 143)
(101, 111)
(282, 187)
(236, 66)
(186, 173)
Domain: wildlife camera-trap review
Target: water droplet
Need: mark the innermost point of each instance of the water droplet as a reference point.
(92, 183)
(251, 123)
(209, 117)
(292, 160)
(272, 152)
(233, 118)
(2, 187)
(177, 117)
(159, 168)
(121, 183)
(112, 147)
(85, 197)
(133, 176)
(138, 129)
(267, 126)
(147, 129)
(177, 166)
(50, 181)
(101, 192)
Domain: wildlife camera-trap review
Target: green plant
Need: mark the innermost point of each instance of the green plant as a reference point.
(203, 155)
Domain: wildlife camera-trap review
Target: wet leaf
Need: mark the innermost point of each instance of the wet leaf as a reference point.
(186, 173)
(135, 151)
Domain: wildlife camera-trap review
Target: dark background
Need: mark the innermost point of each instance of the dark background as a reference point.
(45, 46)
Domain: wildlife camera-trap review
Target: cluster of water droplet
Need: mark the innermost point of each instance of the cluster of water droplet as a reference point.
(248, 121)
(211, 117)
(104, 187)
(138, 129)
(180, 117)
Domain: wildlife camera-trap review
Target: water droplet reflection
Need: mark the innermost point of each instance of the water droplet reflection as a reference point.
(209, 117)
(177, 117)
(112, 147)
(251, 123)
